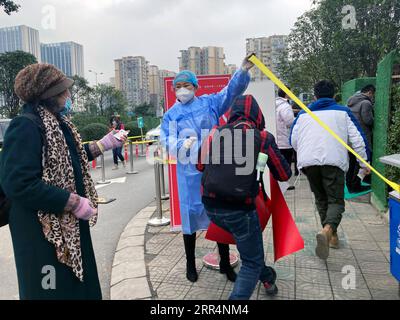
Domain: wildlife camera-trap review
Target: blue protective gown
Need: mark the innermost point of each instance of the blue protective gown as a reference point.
(200, 113)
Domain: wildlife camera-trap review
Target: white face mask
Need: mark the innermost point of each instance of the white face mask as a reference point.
(184, 95)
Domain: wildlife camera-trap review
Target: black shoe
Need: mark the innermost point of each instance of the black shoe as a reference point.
(270, 286)
(271, 289)
(230, 273)
(359, 189)
(191, 272)
(291, 188)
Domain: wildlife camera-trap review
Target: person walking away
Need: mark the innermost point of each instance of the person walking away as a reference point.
(284, 121)
(44, 172)
(229, 196)
(181, 130)
(324, 160)
(361, 105)
(117, 125)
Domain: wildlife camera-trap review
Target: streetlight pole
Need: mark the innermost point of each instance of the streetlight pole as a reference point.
(96, 74)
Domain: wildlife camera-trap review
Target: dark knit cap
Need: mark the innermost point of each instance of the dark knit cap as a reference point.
(40, 81)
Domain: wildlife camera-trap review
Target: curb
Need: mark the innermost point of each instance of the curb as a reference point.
(129, 276)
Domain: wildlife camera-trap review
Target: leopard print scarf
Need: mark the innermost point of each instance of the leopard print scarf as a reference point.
(63, 231)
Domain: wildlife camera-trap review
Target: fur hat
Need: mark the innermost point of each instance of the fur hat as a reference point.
(40, 81)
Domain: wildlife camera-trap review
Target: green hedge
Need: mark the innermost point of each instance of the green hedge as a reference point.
(94, 131)
(394, 133)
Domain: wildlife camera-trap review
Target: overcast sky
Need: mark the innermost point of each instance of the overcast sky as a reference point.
(156, 29)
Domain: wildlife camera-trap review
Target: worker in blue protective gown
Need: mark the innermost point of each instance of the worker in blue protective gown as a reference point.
(182, 129)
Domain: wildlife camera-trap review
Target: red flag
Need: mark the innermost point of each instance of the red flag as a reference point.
(287, 238)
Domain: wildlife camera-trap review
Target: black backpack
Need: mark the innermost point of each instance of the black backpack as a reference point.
(220, 178)
(5, 203)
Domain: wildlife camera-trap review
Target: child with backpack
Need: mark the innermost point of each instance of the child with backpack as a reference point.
(230, 186)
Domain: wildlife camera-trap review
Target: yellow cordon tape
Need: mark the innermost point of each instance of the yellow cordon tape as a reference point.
(280, 84)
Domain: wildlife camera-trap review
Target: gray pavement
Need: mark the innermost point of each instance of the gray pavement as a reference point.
(364, 242)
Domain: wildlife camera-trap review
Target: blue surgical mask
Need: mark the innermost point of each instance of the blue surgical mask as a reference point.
(67, 108)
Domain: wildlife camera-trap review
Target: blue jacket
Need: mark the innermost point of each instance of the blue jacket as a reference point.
(316, 147)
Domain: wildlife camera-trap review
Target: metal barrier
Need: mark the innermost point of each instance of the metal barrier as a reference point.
(159, 220)
(103, 172)
(132, 169)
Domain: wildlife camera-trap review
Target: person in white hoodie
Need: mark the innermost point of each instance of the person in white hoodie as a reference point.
(324, 160)
(284, 121)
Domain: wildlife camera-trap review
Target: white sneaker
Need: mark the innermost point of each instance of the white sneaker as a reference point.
(115, 167)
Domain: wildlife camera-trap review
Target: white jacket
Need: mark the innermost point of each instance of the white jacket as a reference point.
(316, 147)
(284, 120)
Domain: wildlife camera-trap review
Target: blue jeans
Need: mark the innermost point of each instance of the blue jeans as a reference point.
(117, 153)
(246, 230)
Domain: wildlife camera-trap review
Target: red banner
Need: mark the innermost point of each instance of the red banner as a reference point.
(207, 85)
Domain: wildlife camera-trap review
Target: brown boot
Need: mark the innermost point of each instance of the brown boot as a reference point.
(323, 240)
(334, 243)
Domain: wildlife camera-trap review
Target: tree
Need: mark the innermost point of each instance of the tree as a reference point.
(320, 47)
(10, 64)
(9, 6)
(144, 110)
(108, 101)
(80, 92)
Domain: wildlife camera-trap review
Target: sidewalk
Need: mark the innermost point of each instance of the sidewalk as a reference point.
(150, 262)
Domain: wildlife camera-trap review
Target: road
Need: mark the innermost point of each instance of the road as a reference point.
(136, 193)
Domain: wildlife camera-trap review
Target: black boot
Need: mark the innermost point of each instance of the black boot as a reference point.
(190, 245)
(225, 263)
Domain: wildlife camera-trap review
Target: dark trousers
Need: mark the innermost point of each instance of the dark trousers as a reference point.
(353, 182)
(327, 184)
(288, 155)
(117, 153)
(246, 230)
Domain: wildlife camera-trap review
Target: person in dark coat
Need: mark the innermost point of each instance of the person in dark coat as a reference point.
(44, 172)
(361, 105)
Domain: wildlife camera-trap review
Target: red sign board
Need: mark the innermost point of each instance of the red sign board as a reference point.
(207, 85)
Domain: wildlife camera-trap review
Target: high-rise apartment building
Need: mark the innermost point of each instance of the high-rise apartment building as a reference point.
(21, 38)
(132, 78)
(268, 50)
(67, 56)
(202, 61)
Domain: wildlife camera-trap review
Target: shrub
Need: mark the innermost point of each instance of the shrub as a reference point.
(81, 120)
(94, 131)
(393, 147)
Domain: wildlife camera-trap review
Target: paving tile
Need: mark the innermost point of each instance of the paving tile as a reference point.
(371, 256)
(357, 294)
(168, 291)
(312, 276)
(131, 289)
(286, 291)
(310, 263)
(128, 270)
(339, 280)
(363, 245)
(209, 278)
(382, 268)
(203, 294)
(312, 291)
(339, 264)
(393, 294)
(285, 273)
(381, 282)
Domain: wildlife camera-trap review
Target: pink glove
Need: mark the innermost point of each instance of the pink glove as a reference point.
(109, 142)
(80, 207)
